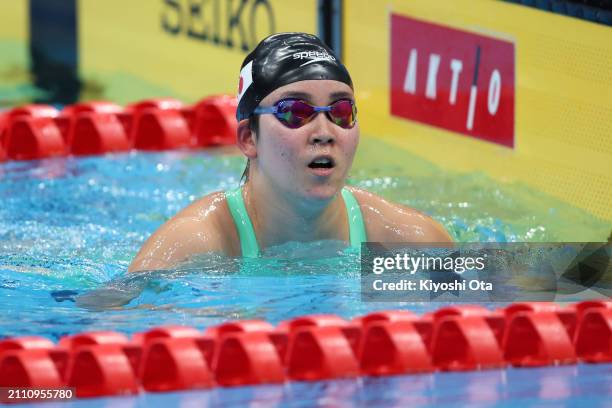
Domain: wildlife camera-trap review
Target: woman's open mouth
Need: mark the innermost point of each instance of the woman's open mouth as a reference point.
(322, 165)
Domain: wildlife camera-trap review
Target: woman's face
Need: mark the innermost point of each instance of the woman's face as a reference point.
(311, 161)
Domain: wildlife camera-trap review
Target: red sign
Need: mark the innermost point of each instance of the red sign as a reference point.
(452, 79)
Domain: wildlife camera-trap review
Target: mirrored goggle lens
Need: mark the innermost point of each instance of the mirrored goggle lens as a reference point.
(294, 113)
(343, 113)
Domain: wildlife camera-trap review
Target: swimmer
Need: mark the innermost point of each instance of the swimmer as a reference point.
(298, 128)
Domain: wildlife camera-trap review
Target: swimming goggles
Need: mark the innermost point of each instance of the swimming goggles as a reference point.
(295, 113)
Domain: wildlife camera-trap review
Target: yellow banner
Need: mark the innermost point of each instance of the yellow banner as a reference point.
(15, 85)
(182, 48)
(13, 18)
(562, 90)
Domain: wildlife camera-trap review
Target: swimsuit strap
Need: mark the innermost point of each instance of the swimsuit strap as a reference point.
(357, 231)
(246, 233)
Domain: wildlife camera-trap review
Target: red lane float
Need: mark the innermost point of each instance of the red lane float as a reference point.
(157, 130)
(465, 343)
(240, 326)
(97, 127)
(214, 121)
(3, 121)
(157, 104)
(594, 336)
(215, 335)
(26, 111)
(247, 358)
(393, 347)
(583, 307)
(67, 119)
(92, 338)
(307, 348)
(495, 320)
(25, 343)
(158, 124)
(101, 370)
(567, 315)
(174, 363)
(390, 316)
(536, 339)
(58, 355)
(168, 331)
(29, 368)
(134, 109)
(32, 111)
(29, 138)
(319, 353)
(97, 134)
(423, 325)
(350, 330)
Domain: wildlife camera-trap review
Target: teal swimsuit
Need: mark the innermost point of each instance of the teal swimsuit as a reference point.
(246, 233)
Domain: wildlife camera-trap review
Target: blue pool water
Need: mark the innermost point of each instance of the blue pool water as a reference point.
(69, 228)
(568, 386)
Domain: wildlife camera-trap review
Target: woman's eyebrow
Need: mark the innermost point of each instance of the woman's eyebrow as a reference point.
(296, 94)
(308, 97)
(341, 95)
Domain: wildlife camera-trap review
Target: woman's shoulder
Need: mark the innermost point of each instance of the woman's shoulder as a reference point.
(203, 226)
(369, 201)
(207, 207)
(212, 213)
(394, 222)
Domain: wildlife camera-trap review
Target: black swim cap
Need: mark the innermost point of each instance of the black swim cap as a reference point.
(282, 59)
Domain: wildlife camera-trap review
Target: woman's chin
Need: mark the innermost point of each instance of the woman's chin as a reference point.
(322, 193)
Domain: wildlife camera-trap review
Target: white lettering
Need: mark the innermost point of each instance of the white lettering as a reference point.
(480, 285)
(456, 66)
(410, 80)
(377, 267)
(313, 55)
(494, 92)
(403, 284)
(416, 262)
(432, 75)
(377, 281)
(471, 108)
(429, 285)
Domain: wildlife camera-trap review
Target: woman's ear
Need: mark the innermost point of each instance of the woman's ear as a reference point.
(246, 139)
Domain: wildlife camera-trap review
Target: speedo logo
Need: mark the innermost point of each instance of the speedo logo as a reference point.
(313, 55)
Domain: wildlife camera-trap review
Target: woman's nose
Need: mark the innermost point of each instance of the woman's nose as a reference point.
(322, 132)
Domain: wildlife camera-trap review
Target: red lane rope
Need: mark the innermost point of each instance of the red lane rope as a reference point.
(313, 347)
(39, 131)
